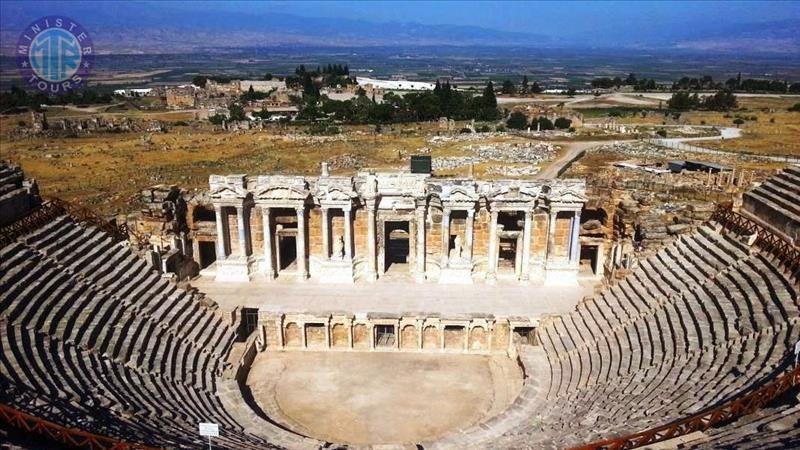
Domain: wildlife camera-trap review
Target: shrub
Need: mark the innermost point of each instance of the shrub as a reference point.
(562, 123)
(517, 121)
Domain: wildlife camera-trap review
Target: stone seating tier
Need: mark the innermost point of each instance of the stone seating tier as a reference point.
(88, 326)
(695, 324)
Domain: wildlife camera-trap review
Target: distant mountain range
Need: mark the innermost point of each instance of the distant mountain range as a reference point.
(149, 27)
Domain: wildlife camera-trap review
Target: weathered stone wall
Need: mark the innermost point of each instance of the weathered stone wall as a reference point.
(539, 236)
(343, 331)
(561, 236)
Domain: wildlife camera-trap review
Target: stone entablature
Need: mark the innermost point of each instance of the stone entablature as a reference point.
(416, 332)
(349, 228)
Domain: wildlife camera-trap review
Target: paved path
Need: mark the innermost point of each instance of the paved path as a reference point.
(575, 148)
(506, 298)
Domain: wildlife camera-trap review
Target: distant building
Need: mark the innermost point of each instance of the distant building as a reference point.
(134, 92)
(696, 166)
(261, 85)
(398, 85)
(181, 97)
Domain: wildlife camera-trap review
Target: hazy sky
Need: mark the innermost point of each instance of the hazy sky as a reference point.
(552, 18)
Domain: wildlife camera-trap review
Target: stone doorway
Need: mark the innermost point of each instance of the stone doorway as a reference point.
(208, 253)
(507, 254)
(591, 263)
(287, 251)
(525, 335)
(397, 246)
(509, 243)
(385, 336)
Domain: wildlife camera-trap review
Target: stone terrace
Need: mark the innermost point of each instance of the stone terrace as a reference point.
(396, 297)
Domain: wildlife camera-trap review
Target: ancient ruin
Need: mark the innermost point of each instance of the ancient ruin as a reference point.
(345, 228)
(694, 337)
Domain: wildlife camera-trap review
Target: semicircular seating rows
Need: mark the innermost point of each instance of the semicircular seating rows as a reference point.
(91, 337)
(700, 322)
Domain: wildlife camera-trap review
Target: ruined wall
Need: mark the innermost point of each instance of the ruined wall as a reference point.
(539, 237)
(314, 230)
(561, 237)
(360, 231)
(480, 249)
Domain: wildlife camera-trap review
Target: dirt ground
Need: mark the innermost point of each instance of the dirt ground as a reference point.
(382, 397)
(104, 170)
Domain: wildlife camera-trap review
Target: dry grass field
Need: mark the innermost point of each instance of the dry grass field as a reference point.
(775, 130)
(105, 170)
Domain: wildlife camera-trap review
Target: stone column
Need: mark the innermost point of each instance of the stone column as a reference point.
(519, 257)
(241, 224)
(551, 234)
(266, 219)
(526, 246)
(302, 274)
(221, 244)
(491, 266)
(599, 263)
(420, 257)
(326, 235)
(348, 234)
(574, 241)
(469, 233)
(372, 245)
(262, 336)
(445, 237)
(196, 252)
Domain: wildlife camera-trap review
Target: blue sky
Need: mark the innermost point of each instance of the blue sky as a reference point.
(552, 18)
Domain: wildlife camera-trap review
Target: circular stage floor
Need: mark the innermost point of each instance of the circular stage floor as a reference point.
(381, 397)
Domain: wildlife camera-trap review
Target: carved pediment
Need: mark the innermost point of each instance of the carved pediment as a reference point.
(567, 196)
(228, 187)
(512, 194)
(337, 195)
(281, 193)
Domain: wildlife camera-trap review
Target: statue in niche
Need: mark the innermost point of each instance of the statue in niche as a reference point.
(458, 248)
(338, 248)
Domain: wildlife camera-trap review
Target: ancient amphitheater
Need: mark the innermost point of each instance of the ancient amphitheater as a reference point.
(103, 348)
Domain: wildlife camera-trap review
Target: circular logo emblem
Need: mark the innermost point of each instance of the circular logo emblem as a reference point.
(54, 54)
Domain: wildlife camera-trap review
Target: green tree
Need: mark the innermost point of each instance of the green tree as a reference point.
(517, 121)
(489, 99)
(722, 100)
(562, 123)
(542, 124)
(199, 81)
(236, 112)
(508, 87)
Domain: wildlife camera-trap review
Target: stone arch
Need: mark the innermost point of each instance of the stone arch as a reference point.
(315, 335)
(478, 338)
(292, 335)
(339, 336)
(431, 337)
(361, 336)
(408, 337)
(500, 336)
